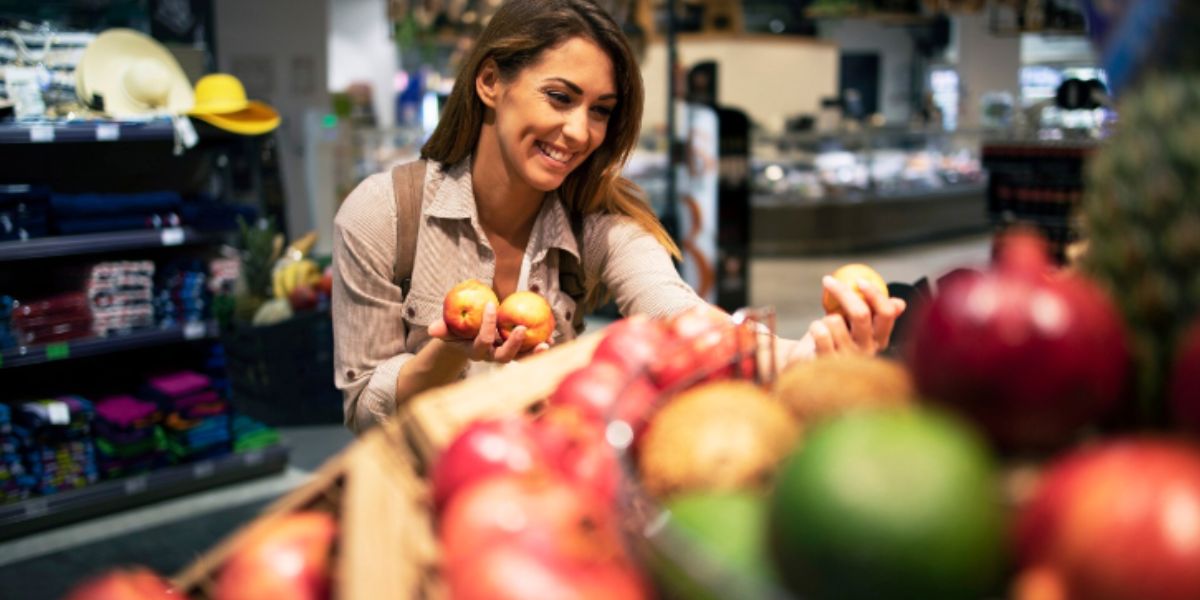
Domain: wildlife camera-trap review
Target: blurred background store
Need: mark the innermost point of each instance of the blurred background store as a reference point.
(164, 376)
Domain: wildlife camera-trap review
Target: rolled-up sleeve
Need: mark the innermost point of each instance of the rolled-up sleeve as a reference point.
(369, 332)
(636, 269)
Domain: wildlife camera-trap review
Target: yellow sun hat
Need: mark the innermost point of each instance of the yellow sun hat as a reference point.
(221, 100)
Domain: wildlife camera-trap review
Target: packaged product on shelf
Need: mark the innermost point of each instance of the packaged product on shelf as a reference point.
(128, 436)
(250, 434)
(16, 481)
(24, 212)
(54, 319)
(61, 455)
(181, 295)
(93, 213)
(197, 418)
(120, 295)
(8, 339)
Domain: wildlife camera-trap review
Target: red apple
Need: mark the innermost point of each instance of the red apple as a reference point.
(528, 309)
(462, 309)
(286, 558)
(485, 449)
(706, 346)
(604, 392)
(633, 343)
(498, 573)
(303, 297)
(534, 536)
(1185, 381)
(575, 445)
(1119, 521)
(135, 583)
(325, 285)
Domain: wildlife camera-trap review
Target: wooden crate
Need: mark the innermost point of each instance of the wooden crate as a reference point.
(432, 420)
(385, 534)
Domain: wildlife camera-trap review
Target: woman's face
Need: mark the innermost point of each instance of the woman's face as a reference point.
(555, 113)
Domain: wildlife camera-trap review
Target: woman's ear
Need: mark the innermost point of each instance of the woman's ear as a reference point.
(487, 83)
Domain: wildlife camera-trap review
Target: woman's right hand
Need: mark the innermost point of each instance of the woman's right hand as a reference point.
(486, 346)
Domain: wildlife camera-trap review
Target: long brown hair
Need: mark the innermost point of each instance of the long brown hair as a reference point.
(515, 38)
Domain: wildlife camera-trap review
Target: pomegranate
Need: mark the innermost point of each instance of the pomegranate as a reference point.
(485, 448)
(1031, 356)
(1120, 521)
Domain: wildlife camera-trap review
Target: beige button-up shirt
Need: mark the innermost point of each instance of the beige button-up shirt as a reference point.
(377, 329)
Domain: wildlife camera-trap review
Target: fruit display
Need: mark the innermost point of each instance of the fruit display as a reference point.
(826, 387)
(1142, 218)
(136, 583)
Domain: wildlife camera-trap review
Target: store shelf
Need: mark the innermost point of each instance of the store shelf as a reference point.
(72, 245)
(86, 131)
(21, 356)
(107, 496)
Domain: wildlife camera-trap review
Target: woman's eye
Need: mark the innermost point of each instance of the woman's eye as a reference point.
(603, 112)
(559, 97)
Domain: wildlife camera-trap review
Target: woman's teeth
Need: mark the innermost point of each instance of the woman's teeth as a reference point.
(555, 154)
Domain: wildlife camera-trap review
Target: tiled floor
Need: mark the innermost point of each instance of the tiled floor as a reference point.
(168, 535)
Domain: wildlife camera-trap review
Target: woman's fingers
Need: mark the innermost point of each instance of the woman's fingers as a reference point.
(843, 340)
(821, 337)
(884, 325)
(511, 347)
(856, 310)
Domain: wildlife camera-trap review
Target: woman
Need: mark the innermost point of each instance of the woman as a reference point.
(541, 120)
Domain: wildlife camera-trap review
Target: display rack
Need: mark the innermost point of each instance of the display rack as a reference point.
(91, 243)
(42, 512)
(22, 356)
(86, 131)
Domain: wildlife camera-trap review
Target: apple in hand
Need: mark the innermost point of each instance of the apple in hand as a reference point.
(136, 583)
(462, 310)
(528, 309)
(850, 275)
(287, 558)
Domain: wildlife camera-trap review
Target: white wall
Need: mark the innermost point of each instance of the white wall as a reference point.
(770, 78)
(896, 53)
(986, 63)
(278, 49)
(361, 49)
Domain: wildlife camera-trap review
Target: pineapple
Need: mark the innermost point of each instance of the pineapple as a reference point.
(261, 246)
(1142, 218)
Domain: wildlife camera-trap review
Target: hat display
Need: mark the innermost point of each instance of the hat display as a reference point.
(131, 75)
(221, 100)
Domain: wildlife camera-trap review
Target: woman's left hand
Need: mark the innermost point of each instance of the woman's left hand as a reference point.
(866, 327)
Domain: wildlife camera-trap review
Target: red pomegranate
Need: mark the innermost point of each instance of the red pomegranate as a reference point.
(1030, 355)
(1185, 381)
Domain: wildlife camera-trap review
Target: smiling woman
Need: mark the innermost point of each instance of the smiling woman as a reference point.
(519, 187)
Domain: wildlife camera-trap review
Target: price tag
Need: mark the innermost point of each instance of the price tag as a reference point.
(58, 413)
(203, 469)
(41, 134)
(253, 457)
(185, 132)
(172, 236)
(58, 351)
(194, 330)
(108, 132)
(135, 485)
(36, 507)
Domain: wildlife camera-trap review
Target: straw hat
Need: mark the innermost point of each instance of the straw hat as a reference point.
(221, 101)
(133, 75)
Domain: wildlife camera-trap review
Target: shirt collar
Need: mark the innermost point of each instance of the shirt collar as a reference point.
(453, 198)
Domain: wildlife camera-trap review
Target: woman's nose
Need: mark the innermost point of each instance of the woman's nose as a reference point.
(575, 128)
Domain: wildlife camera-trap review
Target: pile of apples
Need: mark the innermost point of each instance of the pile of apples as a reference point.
(289, 556)
(528, 507)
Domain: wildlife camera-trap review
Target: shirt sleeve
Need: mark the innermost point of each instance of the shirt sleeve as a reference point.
(636, 269)
(369, 331)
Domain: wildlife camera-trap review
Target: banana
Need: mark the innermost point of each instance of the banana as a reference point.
(290, 275)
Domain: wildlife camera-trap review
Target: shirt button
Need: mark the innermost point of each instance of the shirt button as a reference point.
(568, 315)
(534, 288)
(412, 312)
